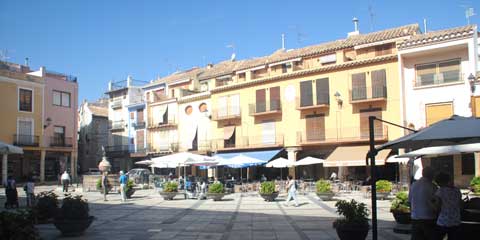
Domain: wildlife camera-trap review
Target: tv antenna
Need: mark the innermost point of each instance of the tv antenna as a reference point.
(232, 46)
(4, 55)
(372, 15)
(468, 14)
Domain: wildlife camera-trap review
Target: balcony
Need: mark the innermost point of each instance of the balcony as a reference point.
(450, 77)
(248, 142)
(163, 148)
(228, 113)
(139, 125)
(117, 150)
(368, 94)
(306, 103)
(340, 135)
(117, 125)
(116, 104)
(265, 108)
(26, 140)
(61, 142)
(170, 123)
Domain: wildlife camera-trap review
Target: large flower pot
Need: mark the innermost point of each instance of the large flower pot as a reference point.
(402, 217)
(73, 227)
(325, 196)
(168, 195)
(382, 195)
(346, 232)
(130, 192)
(269, 197)
(215, 196)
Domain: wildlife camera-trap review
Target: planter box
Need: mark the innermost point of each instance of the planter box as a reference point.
(70, 227)
(326, 196)
(269, 197)
(168, 195)
(352, 233)
(130, 192)
(382, 195)
(402, 218)
(215, 196)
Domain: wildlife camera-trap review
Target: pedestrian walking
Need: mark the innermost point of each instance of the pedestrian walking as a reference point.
(123, 185)
(65, 181)
(105, 185)
(449, 204)
(292, 191)
(29, 189)
(421, 198)
(11, 193)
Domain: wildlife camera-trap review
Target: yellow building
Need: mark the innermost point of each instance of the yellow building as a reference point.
(21, 98)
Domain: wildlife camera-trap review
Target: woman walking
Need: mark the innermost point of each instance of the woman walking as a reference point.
(292, 191)
(11, 193)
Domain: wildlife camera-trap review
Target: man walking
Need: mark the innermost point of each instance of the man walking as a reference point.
(292, 191)
(421, 197)
(65, 181)
(123, 185)
(105, 185)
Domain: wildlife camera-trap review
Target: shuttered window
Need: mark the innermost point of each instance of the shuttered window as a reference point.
(140, 139)
(379, 84)
(140, 115)
(323, 91)
(260, 101)
(359, 86)
(468, 164)
(437, 112)
(234, 107)
(268, 132)
(306, 94)
(315, 126)
(222, 106)
(476, 106)
(25, 100)
(274, 98)
(364, 127)
(449, 71)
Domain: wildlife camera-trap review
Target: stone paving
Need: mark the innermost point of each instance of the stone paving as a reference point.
(238, 216)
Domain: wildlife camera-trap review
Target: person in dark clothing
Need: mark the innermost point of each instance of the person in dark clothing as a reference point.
(11, 193)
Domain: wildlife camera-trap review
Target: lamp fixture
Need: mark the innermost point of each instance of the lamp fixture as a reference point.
(338, 98)
(48, 121)
(471, 80)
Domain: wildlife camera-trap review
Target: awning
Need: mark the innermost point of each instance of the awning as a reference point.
(228, 132)
(262, 155)
(353, 156)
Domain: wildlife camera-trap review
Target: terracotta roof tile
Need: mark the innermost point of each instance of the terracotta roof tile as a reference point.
(438, 36)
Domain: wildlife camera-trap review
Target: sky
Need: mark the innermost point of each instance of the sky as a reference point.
(103, 40)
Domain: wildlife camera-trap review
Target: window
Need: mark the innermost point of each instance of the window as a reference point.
(132, 115)
(284, 68)
(59, 136)
(323, 93)
(437, 112)
(383, 49)
(204, 86)
(61, 98)
(379, 83)
(468, 164)
(438, 73)
(140, 116)
(364, 123)
(315, 126)
(25, 101)
(359, 86)
(306, 94)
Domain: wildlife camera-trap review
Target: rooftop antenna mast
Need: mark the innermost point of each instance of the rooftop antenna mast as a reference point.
(283, 41)
(469, 13)
(372, 15)
(232, 46)
(4, 55)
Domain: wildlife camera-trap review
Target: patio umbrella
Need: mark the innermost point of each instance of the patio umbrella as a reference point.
(179, 159)
(9, 149)
(309, 161)
(451, 131)
(144, 162)
(444, 150)
(240, 161)
(280, 163)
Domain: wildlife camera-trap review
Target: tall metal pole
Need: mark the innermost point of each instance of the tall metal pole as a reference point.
(372, 153)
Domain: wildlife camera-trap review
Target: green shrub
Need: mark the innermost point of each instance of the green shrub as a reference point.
(384, 186)
(216, 188)
(267, 187)
(17, 225)
(475, 184)
(130, 185)
(170, 187)
(400, 203)
(323, 186)
(47, 205)
(354, 214)
(73, 207)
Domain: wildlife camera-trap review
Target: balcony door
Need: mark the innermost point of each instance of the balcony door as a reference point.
(364, 128)
(59, 136)
(315, 126)
(261, 101)
(306, 94)
(274, 98)
(140, 139)
(268, 132)
(25, 131)
(359, 86)
(438, 111)
(323, 92)
(379, 84)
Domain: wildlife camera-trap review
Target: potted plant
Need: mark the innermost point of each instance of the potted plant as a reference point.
(17, 225)
(73, 217)
(129, 190)
(324, 190)
(170, 190)
(46, 206)
(354, 223)
(384, 188)
(216, 191)
(400, 208)
(99, 185)
(267, 191)
(475, 185)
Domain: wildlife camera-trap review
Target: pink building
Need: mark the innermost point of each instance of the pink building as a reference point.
(60, 126)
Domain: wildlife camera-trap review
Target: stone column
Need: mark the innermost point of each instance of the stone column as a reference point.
(4, 168)
(73, 165)
(477, 164)
(292, 156)
(42, 165)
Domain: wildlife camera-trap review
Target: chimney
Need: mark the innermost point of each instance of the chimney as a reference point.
(129, 81)
(283, 41)
(356, 32)
(110, 85)
(210, 65)
(26, 61)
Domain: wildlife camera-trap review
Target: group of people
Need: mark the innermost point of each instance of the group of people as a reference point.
(122, 180)
(12, 194)
(435, 211)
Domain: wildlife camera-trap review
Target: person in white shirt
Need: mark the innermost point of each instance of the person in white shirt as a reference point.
(30, 191)
(292, 191)
(65, 181)
(421, 198)
(333, 177)
(449, 202)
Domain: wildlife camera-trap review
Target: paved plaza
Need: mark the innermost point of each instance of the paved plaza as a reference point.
(238, 216)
